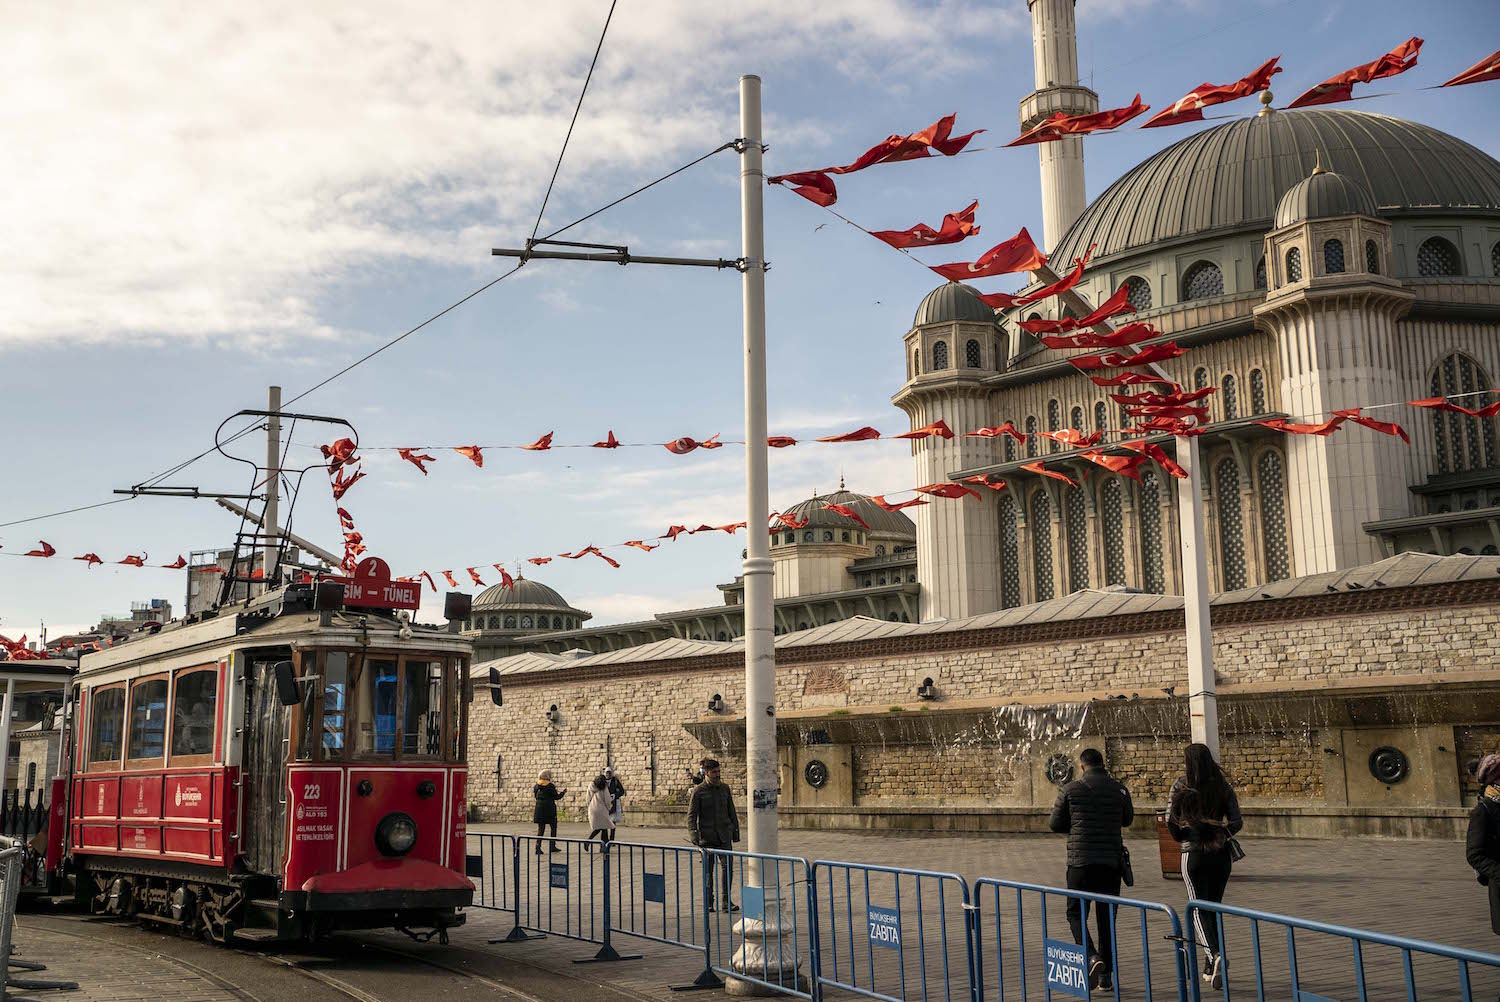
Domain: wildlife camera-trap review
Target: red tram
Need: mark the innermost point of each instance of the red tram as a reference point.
(288, 767)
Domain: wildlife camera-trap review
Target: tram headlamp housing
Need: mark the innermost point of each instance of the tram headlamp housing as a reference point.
(396, 834)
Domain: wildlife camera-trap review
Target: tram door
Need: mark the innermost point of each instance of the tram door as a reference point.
(263, 765)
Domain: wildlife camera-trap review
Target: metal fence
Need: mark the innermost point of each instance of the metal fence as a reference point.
(658, 895)
(773, 941)
(12, 860)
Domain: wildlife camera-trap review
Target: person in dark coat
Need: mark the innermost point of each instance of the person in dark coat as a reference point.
(1091, 811)
(616, 799)
(1204, 825)
(713, 823)
(545, 811)
(1482, 846)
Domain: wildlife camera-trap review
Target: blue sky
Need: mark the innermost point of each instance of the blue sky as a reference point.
(202, 204)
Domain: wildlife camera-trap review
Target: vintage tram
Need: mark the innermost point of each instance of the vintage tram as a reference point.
(288, 767)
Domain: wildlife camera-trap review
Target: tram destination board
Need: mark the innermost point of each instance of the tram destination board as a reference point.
(371, 587)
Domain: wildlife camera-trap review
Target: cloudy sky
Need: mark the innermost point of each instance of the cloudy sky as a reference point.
(203, 201)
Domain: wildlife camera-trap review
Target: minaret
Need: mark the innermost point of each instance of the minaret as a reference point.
(1054, 42)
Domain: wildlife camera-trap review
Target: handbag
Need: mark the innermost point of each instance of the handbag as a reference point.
(1236, 851)
(1127, 874)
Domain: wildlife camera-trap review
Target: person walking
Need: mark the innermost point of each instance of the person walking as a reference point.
(598, 808)
(616, 799)
(1205, 825)
(1482, 846)
(1091, 811)
(713, 823)
(545, 811)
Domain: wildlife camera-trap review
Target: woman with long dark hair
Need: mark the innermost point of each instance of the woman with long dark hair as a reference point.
(1204, 815)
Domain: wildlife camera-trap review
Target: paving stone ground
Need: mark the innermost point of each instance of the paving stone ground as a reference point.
(109, 971)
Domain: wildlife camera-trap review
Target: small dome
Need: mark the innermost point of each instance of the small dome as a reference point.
(524, 592)
(953, 301)
(1322, 195)
(880, 521)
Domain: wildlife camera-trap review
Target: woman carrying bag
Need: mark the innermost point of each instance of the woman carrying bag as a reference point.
(1204, 815)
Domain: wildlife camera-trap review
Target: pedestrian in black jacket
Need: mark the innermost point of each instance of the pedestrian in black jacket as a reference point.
(1482, 847)
(545, 811)
(1091, 811)
(713, 823)
(1203, 814)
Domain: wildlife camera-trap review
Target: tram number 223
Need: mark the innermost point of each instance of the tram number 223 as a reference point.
(312, 791)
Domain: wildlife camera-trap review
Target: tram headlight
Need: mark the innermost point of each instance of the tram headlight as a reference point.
(396, 834)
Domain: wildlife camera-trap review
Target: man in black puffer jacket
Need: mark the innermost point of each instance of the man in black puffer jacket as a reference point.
(1091, 811)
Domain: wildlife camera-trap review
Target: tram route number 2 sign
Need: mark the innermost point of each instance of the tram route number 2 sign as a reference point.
(885, 927)
(1067, 967)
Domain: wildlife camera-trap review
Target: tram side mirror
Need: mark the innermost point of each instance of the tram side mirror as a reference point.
(495, 695)
(287, 690)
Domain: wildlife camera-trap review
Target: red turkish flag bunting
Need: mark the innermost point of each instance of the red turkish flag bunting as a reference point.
(90, 559)
(345, 519)
(1018, 253)
(1063, 284)
(881, 502)
(473, 452)
(1189, 107)
(939, 428)
(1120, 337)
(46, 550)
(1174, 399)
(732, 528)
(416, 458)
(474, 576)
(1487, 68)
(780, 441)
(702, 528)
(1384, 427)
(539, 561)
(946, 490)
(790, 521)
(1126, 466)
(1008, 428)
(448, 575)
(1340, 88)
(673, 532)
(1323, 428)
(845, 511)
(506, 581)
(865, 434)
(1157, 455)
(1113, 306)
(956, 226)
(1116, 360)
(813, 185)
(1073, 437)
(430, 583)
(340, 453)
(1168, 412)
(1041, 470)
(643, 545)
(1443, 404)
(685, 445)
(896, 148)
(540, 445)
(609, 443)
(984, 480)
(134, 561)
(341, 486)
(591, 550)
(1062, 124)
(1130, 379)
(175, 565)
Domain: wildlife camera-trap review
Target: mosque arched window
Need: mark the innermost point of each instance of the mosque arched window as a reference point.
(1271, 473)
(844, 536)
(1138, 292)
(1030, 436)
(1077, 419)
(916, 361)
(557, 622)
(1229, 394)
(1112, 507)
(510, 622)
(972, 356)
(1333, 257)
(1041, 545)
(525, 622)
(807, 537)
(827, 535)
(1494, 259)
(1101, 416)
(1294, 264)
(1025, 340)
(1257, 391)
(1010, 449)
(1010, 554)
(1075, 510)
(1372, 257)
(939, 356)
(1463, 442)
(1438, 258)
(1054, 423)
(1202, 281)
(1200, 378)
(1260, 274)
(880, 549)
(1149, 513)
(1231, 523)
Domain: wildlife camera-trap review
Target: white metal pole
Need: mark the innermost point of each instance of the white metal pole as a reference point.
(762, 774)
(269, 525)
(7, 710)
(1203, 705)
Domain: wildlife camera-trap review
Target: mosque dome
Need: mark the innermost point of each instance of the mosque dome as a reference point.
(953, 301)
(1321, 195)
(525, 607)
(1231, 178)
(524, 592)
(880, 521)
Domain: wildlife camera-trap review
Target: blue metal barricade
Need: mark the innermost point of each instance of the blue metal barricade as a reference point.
(1019, 954)
(491, 868)
(1329, 961)
(893, 934)
(562, 888)
(657, 894)
(760, 920)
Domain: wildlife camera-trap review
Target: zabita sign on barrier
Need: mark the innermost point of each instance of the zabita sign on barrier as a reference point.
(885, 927)
(654, 887)
(1067, 967)
(559, 875)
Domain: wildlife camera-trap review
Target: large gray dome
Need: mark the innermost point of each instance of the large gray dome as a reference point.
(953, 301)
(1232, 176)
(525, 592)
(880, 521)
(1323, 195)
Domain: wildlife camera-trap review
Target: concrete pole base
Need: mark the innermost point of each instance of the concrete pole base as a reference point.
(767, 952)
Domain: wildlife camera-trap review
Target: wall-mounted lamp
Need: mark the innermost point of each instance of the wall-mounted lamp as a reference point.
(716, 703)
(552, 715)
(927, 690)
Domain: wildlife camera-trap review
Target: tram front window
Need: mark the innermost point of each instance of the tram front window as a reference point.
(376, 713)
(422, 716)
(335, 702)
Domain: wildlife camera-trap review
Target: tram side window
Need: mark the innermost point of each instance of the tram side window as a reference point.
(335, 702)
(106, 724)
(193, 712)
(148, 719)
(422, 716)
(377, 708)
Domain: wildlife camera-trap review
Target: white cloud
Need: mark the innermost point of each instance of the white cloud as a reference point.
(195, 172)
